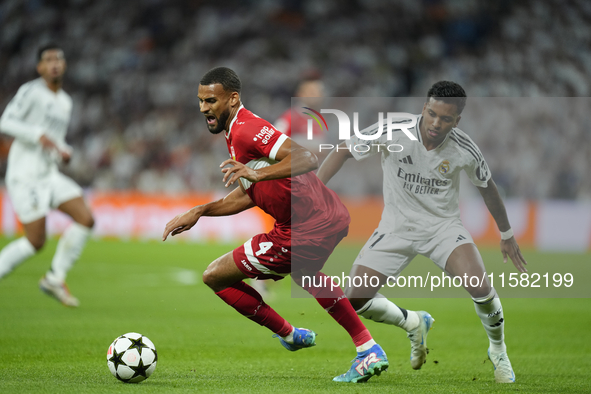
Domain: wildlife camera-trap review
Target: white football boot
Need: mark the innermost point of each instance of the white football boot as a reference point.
(59, 292)
(418, 340)
(503, 369)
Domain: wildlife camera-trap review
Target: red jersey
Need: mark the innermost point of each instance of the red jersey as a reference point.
(302, 206)
(297, 125)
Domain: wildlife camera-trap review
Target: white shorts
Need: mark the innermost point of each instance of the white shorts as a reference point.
(34, 200)
(389, 254)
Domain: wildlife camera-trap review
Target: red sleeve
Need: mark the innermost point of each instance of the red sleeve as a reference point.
(260, 139)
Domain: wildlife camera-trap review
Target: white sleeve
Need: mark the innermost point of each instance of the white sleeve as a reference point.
(12, 120)
(478, 171)
(277, 145)
(363, 148)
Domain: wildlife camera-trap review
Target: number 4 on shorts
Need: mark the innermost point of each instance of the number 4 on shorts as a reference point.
(263, 247)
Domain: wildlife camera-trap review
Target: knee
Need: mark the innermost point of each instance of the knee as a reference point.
(358, 303)
(212, 281)
(208, 278)
(479, 292)
(87, 221)
(90, 223)
(37, 242)
(358, 297)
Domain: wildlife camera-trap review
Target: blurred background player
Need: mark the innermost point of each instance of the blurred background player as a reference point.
(422, 216)
(274, 174)
(294, 123)
(38, 118)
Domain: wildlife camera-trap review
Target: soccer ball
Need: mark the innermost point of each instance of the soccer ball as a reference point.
(132, 358)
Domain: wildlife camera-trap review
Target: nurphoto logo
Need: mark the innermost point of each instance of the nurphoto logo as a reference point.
(394, 121)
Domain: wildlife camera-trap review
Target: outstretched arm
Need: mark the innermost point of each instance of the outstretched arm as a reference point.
(12, 120)
(496, 207)
(333, 162)
(293, 159)
(12, 123)
(235, 202)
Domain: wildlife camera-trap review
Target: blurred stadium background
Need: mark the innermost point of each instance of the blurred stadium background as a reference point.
(143, 152)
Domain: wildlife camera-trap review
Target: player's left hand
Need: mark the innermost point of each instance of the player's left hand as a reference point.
(65, 155)
(237, 171)
(510, 249)
(181, 223)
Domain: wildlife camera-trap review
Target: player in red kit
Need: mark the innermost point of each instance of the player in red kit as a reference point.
(274, 174)
(294, 124)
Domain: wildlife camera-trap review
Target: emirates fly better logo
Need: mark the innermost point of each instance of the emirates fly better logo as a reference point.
(393, 121)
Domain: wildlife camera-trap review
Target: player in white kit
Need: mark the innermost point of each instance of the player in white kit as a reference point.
(38, 117)
(421, 216)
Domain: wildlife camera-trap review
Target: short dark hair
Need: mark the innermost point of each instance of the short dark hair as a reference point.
(448, 92)
(224, 76)
(45, 47)
(310, 75)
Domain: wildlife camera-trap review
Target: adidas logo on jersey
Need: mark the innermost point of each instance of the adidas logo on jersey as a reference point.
(460, 237)
(406, 160)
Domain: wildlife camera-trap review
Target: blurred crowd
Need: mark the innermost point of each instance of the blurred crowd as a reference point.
(134, 68)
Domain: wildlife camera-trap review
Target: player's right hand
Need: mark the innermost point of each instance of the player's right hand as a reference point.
(66, 154)
(181, 223)
(510, 249)
(48, 144)
(63, 155)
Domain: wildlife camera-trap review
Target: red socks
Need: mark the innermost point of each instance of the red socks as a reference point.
(333, 300)
(248, 302)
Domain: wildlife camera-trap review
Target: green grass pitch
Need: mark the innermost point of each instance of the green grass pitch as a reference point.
(205, 346)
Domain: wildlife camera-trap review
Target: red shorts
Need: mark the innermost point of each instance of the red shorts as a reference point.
(265, 257)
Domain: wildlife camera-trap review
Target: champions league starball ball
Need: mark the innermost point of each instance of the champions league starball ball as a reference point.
(132, 358)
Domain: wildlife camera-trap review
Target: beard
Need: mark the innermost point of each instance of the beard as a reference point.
(55, 76)
(220, 126)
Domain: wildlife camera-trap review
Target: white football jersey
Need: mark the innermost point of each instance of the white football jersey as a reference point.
(421, 188)
(35, 110)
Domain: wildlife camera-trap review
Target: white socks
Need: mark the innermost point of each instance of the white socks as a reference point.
(381, 310)
(289, 337)
(490, 311)
(15, 253)
(366, 346)
(69, 249)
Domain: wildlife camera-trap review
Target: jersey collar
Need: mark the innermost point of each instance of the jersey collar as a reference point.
(43, 83)
(418, 129)
(445, 139)
(234, 120)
